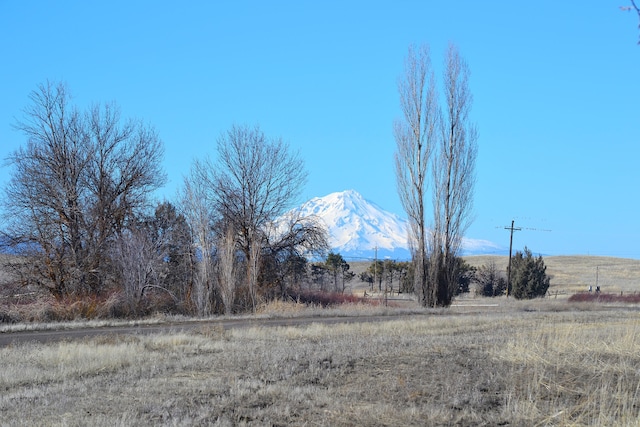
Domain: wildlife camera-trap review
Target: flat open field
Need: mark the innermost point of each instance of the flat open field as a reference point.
(520, 364)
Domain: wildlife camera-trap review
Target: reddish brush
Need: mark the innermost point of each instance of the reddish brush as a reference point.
(600, 297)
(325, 299)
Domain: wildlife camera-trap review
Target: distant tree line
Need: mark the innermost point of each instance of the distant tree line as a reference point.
(389, 275)
(398, 276)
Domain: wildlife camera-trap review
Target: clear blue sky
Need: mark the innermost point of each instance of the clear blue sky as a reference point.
(556, 89)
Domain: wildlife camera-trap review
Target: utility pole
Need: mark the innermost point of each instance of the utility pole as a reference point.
(375, 266)
(512, 228)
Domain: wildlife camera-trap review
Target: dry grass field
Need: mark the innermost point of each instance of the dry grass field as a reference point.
(539, 363)
(481, 362)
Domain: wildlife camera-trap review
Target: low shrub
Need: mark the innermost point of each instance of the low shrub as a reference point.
(76, 308)
(113, 305)
(324, 299)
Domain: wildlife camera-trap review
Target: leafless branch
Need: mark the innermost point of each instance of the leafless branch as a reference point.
(633, 7)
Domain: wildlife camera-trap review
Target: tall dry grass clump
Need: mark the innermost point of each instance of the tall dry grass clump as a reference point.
(574, 373)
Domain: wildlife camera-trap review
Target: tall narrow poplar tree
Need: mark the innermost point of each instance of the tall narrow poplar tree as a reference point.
(454, 176)
(415, 137)
(439, 149)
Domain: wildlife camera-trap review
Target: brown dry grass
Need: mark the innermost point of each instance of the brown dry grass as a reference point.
(540, 363)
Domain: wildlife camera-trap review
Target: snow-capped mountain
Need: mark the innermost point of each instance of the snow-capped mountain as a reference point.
(358, 227)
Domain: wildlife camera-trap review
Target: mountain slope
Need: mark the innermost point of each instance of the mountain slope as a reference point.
(358, 228)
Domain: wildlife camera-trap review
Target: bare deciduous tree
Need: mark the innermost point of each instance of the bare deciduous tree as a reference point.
(253, 182)
(227, 263)
(253, 268)
(454, 176)
(123, 170)
(138, 263)
(415, 140)
(288, 242)
(297, 234)
(76, 183)
(199, 217)
(43, 199)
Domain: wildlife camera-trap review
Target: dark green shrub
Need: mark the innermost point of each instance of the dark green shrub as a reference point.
(528, 275)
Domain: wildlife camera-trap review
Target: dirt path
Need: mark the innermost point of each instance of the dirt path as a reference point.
(10, 338)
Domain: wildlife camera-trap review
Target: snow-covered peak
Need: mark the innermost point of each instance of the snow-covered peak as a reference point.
(358, 228)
